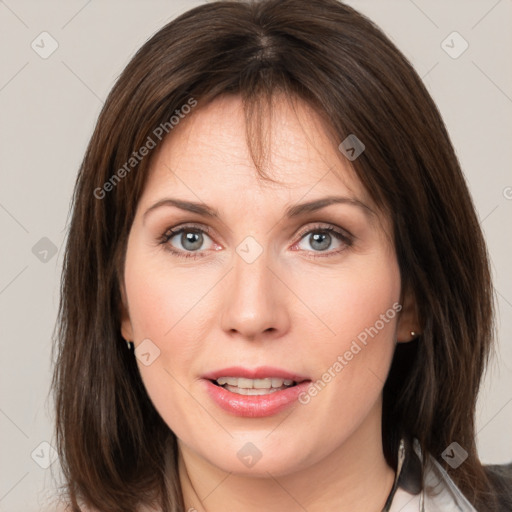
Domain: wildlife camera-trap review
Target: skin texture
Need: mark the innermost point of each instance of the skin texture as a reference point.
(286, 309)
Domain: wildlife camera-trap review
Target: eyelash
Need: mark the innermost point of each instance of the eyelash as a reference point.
(347, 239)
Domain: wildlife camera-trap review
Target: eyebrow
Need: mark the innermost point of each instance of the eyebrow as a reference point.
(291, 212)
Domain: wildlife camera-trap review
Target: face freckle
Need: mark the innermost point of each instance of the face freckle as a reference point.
(258, 295)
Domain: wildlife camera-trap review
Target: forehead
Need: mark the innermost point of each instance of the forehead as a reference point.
(207, 154)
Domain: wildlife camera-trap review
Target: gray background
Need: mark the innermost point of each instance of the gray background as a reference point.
(48, 110)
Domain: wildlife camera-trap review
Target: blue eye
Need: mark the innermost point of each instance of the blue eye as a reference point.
(320, 238)
(192, 237)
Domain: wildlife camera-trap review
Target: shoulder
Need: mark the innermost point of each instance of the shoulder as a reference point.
(439, 492)
(500, 476)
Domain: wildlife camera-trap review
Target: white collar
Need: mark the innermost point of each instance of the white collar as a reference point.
(439, 494)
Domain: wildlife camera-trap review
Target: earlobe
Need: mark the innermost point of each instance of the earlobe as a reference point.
(408, 325)
(126, 329)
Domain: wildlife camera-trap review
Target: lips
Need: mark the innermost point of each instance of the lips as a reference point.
(259, 401)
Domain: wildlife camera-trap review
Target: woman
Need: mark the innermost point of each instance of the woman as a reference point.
(276, 293)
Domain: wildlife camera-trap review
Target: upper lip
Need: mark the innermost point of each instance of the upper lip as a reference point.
(261, 372)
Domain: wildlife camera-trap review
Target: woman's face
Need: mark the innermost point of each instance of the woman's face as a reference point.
(261, 286)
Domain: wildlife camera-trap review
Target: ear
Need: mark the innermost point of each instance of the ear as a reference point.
(126, 324)
(408, 320)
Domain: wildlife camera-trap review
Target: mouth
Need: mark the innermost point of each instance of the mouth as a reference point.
(258, 392)
(245, 386)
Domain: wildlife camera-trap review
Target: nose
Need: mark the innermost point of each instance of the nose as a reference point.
(255, 300)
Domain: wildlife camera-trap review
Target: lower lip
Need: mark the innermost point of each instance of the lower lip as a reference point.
(255, 406)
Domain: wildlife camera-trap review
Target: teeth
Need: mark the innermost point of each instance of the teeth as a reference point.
(252, 391)
(266, 384)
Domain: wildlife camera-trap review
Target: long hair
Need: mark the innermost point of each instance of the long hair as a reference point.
(109, 435)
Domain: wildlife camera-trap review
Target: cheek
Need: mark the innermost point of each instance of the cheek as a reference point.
(350, 299)
(161, 302)
(358, 309)
(161, 297)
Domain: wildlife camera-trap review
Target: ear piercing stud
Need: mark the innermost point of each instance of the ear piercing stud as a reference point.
(413, 334)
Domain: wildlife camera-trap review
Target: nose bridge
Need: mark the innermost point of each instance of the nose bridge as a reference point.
(251, 272)
(254, 302)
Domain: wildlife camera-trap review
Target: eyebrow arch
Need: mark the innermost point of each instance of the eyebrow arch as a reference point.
(317, 204)
(291, 212)
(189, 206)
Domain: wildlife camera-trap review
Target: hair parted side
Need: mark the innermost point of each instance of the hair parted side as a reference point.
(109, 435)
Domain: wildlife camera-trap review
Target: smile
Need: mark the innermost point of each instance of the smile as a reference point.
(244, 386)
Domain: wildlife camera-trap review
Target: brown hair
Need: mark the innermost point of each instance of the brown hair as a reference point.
(109, 435)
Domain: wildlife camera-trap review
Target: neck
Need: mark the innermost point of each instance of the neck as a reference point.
(355, 476)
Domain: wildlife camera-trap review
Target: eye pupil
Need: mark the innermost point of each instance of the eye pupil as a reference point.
(321, 237)
(196, 239)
